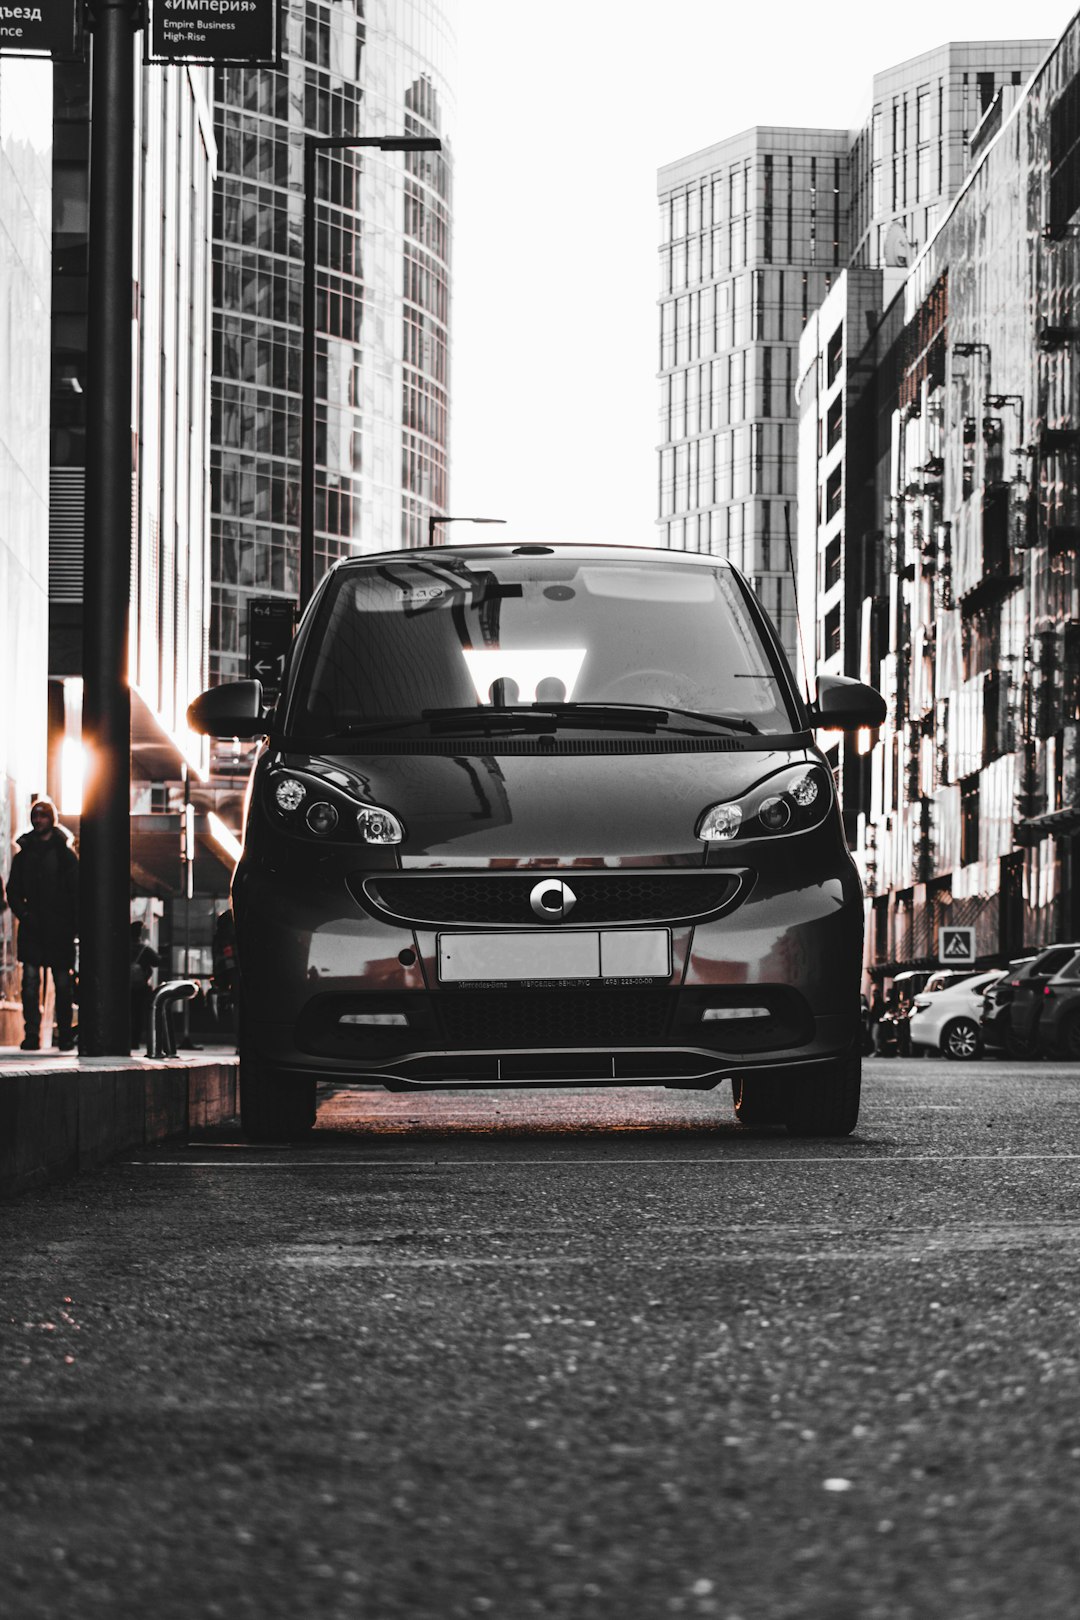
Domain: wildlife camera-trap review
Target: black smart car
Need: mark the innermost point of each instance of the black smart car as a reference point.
(532, 815)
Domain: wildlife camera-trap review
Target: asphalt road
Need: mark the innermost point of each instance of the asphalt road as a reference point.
(571, 1353)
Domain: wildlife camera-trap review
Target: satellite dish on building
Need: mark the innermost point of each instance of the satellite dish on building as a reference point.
(897, 249)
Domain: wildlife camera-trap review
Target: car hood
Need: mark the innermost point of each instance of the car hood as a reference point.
(582, 803)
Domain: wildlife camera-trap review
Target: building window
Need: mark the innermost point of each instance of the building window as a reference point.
(969, 820)
(834, 355)
(834, 422)
(831, 634)
(833, 491)
(1064, 157)
(831, 569)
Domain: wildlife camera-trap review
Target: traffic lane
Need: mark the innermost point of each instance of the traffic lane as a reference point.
(405, 1388)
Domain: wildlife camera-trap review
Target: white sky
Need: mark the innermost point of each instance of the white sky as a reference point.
(565, 112)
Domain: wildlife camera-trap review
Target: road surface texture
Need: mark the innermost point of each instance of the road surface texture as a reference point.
(559, 1353)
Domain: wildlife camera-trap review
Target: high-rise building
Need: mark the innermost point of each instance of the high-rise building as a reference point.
(915, 146)
(383, 290)
(25, 227)
(174, 160)
(753, 232)
(940, 536)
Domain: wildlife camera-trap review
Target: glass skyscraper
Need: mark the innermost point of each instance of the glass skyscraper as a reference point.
(383, 291)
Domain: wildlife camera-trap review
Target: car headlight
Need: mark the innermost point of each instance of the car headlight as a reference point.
(791, 801)
(328, 806)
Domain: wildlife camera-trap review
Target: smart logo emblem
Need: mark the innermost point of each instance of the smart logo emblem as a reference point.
(552, 900)
(956, 947)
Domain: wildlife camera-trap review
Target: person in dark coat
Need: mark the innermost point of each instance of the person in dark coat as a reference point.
(144, 960)
(43, 892)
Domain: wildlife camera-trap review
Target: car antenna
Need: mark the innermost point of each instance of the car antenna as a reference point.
(795, 595)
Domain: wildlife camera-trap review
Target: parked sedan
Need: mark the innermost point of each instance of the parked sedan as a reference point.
(947, 1020)
(1006, 1024)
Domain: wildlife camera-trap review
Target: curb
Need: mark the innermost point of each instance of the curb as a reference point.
(55, 1122)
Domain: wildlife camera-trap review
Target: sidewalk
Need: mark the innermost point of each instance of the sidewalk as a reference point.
(61, 1113)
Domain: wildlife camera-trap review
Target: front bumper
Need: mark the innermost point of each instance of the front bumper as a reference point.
(311, 955)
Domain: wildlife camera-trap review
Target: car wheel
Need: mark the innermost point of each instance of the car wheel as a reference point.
(1067, 1045)
(961, 1040)
(759, 1100)
(274, 1107)
(825, 1101)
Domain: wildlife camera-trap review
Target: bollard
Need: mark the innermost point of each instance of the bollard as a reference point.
(161, 1035)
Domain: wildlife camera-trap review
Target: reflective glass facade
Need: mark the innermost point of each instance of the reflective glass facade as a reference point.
(174, 160)
(383, 290)
(25, 226)
(969, 619)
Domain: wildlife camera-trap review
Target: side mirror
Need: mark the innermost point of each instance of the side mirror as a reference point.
(232, 710)
(844, 704)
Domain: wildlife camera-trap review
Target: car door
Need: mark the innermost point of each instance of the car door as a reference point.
(1063, 987)
(1027, 1001)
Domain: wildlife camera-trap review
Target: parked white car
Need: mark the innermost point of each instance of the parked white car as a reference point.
(948, 1020)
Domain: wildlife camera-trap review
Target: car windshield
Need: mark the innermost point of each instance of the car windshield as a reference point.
(466, 641)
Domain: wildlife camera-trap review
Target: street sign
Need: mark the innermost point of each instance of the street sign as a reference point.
(956, 947)
(271, 622)
(52, 28)
(215, 31)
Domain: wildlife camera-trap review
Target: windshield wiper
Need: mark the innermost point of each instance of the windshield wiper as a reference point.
(645, 712)
(536, 717)
(639, 716)
(546, 716)
(733, 722)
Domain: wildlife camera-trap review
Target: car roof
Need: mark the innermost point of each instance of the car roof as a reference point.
(590, 551)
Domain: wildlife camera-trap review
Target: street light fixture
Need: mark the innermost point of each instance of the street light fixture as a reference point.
(434, 519)
(313, 145)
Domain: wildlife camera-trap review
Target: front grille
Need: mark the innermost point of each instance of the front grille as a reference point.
(554, 1018)
(502, 899)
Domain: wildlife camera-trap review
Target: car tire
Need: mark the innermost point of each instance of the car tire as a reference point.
(825, 1101)
(274, 1107)
(961, 1040)
(1067, 1044)
(1019, 1049)
(759, 1100)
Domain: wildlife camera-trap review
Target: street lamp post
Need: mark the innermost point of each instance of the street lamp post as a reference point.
(313, 145)
(434, 520)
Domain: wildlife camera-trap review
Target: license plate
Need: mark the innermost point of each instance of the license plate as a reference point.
(636, 953)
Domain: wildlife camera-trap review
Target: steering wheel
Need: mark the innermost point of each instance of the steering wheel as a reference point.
(667, 687)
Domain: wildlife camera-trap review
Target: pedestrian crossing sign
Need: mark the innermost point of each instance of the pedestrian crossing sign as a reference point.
(956, 947)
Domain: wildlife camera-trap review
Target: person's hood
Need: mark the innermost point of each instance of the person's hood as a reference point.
(30, 841)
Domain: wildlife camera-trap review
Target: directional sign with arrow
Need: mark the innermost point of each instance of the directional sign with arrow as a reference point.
(271, 622)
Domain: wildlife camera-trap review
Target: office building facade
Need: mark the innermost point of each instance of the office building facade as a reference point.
(174, 161)
(383, 291)
(961, 471)
(915, 146)
(754, 232)
(25, 246)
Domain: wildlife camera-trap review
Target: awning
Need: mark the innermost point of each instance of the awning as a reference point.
(157, 755)
(1052, 823)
